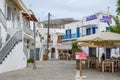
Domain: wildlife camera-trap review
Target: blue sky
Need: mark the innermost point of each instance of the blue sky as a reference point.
(69, 8)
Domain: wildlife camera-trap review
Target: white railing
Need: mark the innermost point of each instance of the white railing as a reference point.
(5, 50)
(3, 20)
(25, 52)
(28, 30)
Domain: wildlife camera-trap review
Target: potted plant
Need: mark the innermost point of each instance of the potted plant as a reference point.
(30, 62)
(45, 56)
(72, 56)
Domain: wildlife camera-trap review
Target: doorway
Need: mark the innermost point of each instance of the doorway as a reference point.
(92, 52)
(53, 52)
(108, 52)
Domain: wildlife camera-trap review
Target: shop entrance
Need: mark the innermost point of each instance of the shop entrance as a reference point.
(53, 52)
(92, 52)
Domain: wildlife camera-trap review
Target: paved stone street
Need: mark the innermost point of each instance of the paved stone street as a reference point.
(93, 74)
(46, 70)
(57, 70)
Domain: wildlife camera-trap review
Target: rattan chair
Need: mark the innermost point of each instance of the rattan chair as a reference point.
(98, 65)
(108, 66)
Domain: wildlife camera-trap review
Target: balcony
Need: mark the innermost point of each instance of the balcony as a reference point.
(59, 41)
(50, 41)
(74, 35)
(28, 31)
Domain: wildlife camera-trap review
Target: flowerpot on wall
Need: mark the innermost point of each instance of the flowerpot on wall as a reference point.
(30, 62)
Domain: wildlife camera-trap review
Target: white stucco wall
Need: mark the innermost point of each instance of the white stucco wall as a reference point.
(3, 6)
(15, 60)
(3, 34)
(54, 36)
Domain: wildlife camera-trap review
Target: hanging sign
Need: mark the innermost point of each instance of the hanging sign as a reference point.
(80, 55)
(106, 19)
(92, 17)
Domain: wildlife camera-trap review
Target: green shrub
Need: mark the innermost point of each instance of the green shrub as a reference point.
(30, 61)
(72, 56)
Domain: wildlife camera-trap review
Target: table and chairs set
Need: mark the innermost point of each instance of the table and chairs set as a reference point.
(108, 65)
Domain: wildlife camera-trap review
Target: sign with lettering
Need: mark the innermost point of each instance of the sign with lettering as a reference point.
(92, 17)
(80, 55)
(106, 19)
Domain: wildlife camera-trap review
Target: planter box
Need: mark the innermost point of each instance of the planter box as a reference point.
(29, 64)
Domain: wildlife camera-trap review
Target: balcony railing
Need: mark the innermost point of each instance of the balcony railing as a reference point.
(3, 19)
(28, 31)
(50, 41)
(59, 41)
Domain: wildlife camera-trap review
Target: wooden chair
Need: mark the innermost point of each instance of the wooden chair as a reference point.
(116, 65)
(93, 62)
(98, 65)
(108, 66)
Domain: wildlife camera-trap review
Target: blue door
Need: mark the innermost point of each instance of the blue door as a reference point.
(108, 52)
(78, 32)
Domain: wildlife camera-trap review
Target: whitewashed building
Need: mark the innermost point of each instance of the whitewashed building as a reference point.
(56, 29)
(86, 26)
(16, 34)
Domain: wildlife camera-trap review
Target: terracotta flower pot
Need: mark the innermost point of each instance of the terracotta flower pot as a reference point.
(45, 57)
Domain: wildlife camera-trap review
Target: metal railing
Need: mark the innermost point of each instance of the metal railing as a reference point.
(5, 50)
(28, 31)
(3, 20)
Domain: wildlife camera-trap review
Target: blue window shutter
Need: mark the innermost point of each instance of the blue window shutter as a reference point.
(78, 31)
(93, 30)
(88, 31)
(108, 52)
(70, 33)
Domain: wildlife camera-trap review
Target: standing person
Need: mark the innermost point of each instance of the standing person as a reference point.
(103, 57)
